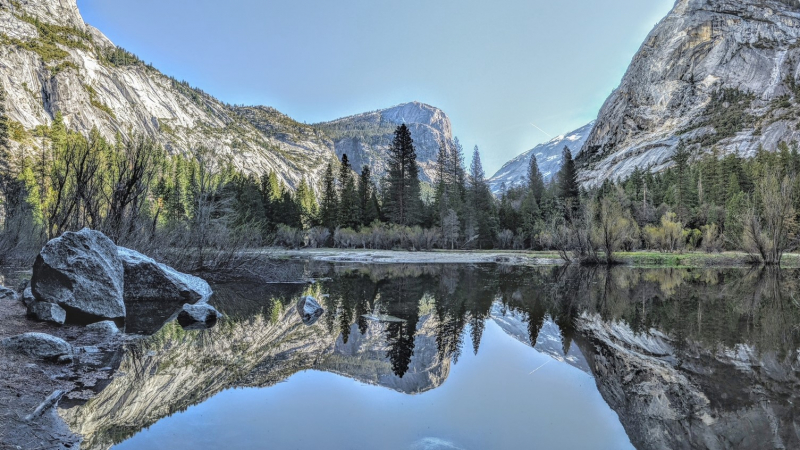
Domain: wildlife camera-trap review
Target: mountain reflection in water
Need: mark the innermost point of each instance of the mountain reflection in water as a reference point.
(686, 358)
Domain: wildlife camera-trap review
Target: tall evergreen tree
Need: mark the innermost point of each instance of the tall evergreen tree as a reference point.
(403, 190)
(681, 161)
(349, 213)
(306, 203)
(366, 192)
(535, 180)
(329, 203)
(568, 188)
(481, 202)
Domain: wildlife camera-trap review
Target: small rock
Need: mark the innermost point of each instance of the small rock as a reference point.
(309, 310)
(198, 317)
(27, 296)
(7, 294)
(104, 327)
(38, 345)
(65, 359)
(47, 312)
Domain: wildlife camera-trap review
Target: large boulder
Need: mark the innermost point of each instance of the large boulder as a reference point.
(198, 317)
(309, 310)
(47, 312)
(7, 294)
(82, 273)
(38, 345)
(149, 281)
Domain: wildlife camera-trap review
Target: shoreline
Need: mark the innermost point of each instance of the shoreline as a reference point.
(641, 259)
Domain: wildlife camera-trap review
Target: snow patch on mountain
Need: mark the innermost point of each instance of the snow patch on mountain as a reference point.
(548, 155)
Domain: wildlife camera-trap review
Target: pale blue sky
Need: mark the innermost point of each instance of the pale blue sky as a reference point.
(494, 67)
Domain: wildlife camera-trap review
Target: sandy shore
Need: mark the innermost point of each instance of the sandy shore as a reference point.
(407, 257)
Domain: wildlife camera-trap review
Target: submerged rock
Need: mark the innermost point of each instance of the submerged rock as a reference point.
(47, 312)
(149, 281)
(38, 345)
(107, 327)
(198, 317)
(309, 310)
(82, 273)
(7, 294)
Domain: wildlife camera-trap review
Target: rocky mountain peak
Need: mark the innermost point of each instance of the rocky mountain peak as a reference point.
(713, 73)
(56, 12)
(366, 138)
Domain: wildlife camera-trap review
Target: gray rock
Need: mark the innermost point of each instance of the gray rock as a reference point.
(198, 317)
(105, 327)
(7, 294)
(82, 273)
(47, 312)
(149, 281)
(309, 310)
(25, 284)
(38, 345)
(27, 296)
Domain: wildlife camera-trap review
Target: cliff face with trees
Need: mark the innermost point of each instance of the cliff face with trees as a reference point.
(712, 74)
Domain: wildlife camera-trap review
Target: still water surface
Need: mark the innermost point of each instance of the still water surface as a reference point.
(469, 357)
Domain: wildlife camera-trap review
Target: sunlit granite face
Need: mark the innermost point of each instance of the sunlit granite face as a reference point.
(446, 356)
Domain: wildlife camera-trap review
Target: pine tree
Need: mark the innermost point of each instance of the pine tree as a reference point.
(366, 192)
(568, 188)
(329, 203)
(306, 203)
(6, 176)
(535, 180)
(403, 190)
(681, 161)
(481, 202)
(349, 214)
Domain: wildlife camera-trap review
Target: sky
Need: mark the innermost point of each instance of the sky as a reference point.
(510, 74)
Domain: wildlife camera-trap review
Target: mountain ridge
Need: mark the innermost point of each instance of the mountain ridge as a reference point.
(51, 61)
(712, 73)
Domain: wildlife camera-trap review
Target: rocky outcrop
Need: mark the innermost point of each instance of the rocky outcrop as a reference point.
(198, 317)
(47, 312)
(548, 156)
(38, 345)
(366, 138)
(713, 73)
(82, 273)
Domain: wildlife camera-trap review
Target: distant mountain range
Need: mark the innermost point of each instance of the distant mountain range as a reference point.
(548, 156)
(718, 74)
(51, 62)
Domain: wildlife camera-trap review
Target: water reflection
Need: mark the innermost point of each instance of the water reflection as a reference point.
(687, 358)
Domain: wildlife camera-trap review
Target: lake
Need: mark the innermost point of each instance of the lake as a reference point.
(468, 357)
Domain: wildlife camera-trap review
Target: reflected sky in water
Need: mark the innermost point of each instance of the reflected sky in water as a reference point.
(507, 396)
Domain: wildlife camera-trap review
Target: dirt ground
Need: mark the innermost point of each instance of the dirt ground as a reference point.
(25, 383)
